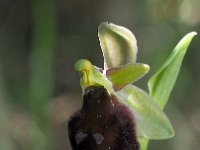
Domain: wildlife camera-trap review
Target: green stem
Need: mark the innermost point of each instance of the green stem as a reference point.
(41, 78)
(143, 143)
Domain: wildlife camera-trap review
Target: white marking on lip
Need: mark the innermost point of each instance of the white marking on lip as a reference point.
(80, 136)
(98, 138)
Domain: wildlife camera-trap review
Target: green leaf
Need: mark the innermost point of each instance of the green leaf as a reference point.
(126, 74)
(158, 81)
(118, 44)
(161, 83)
(151, 121)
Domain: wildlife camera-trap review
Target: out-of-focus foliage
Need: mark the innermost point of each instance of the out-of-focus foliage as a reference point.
(158, 26)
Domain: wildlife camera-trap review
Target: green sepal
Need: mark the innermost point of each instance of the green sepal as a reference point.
(118, 44)
(162, 82)
(126, 74)
(151, 121)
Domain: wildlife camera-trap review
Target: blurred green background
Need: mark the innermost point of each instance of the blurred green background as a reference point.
(41, 39)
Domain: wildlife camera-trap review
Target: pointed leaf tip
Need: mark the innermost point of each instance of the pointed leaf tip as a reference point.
(162, 82)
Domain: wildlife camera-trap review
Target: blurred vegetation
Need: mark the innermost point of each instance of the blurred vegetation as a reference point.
(40, 40)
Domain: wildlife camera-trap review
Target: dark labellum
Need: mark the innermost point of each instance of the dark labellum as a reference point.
(103, 123)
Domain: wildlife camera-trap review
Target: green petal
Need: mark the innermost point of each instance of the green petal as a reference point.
(126, 74)
(161, 83)
(118, 44)
(151, 121)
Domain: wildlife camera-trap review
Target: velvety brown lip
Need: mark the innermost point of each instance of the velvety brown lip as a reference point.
(102, 123)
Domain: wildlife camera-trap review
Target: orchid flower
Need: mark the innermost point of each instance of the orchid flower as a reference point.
(121, 70)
